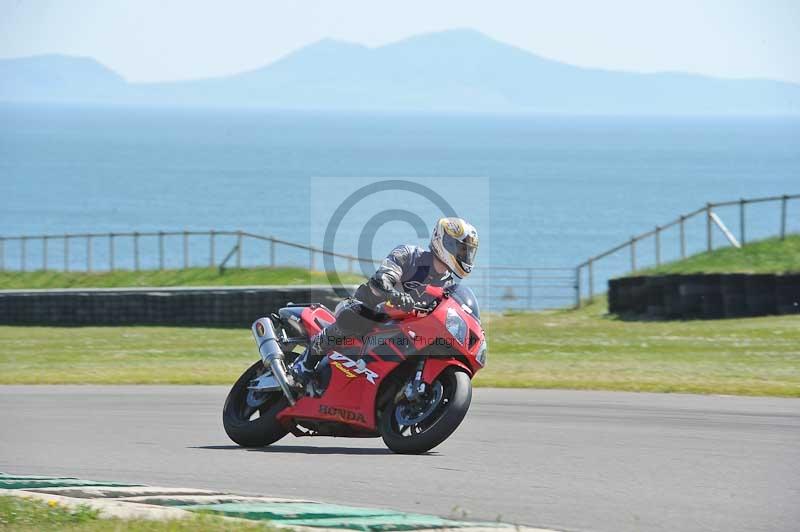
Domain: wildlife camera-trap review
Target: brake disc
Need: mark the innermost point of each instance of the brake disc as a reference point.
(417, 411)
(256, 399)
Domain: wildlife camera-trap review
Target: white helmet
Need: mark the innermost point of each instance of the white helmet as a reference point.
(455, 242)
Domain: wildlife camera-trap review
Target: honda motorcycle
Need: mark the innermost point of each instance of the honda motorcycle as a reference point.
(408, 380)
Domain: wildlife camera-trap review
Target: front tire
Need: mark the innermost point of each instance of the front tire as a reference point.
(239, 413)
(410, 428)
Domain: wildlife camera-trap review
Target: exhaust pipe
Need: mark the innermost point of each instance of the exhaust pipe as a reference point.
(272, 355)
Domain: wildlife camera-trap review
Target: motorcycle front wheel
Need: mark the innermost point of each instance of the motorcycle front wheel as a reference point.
(419, 426)
(249, 418)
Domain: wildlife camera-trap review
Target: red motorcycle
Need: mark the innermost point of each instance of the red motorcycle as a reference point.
(408, 381)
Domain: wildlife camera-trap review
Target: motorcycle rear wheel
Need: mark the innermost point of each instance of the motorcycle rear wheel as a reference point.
(237, 414)
(429, 424)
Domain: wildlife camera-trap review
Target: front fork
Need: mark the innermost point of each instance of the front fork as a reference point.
(416, 387)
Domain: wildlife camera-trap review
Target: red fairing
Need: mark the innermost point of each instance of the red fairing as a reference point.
(357, 370)
(316, 317)
(434, 366)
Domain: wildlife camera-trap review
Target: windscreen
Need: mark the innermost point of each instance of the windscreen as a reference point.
(465, 296)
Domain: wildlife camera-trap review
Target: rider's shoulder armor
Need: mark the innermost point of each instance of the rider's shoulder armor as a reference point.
(411, 269)
(419, 272)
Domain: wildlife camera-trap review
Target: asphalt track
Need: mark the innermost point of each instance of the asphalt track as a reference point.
(560, 459)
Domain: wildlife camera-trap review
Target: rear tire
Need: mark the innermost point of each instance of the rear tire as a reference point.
(236, 414)
(436, 426)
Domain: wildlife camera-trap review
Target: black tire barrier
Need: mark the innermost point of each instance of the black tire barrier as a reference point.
(613, 297)
(638, 295)
(212, 307)
(693, 291)
(734, 301)
(654, 294)
(672, 296)
(787, 290)
(760, 294)
(704, 296)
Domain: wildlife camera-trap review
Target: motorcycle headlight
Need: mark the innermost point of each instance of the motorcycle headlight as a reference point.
(482, 352)
(456, 326)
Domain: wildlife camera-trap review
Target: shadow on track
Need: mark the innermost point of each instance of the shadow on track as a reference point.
(300, 449)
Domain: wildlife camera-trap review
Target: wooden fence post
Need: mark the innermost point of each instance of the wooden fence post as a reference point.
(66, 253)
(88, 253)
(211, 249)
(185, 250)
(111, 252)
(161, 250)
(591, 280)
(136, 251)
(783, 216)
(238, 249)
(44, 253)
(683, 236)
(23, 252)
(633, 253)
(578, 287)
(272, 252)
(2, 254)
(658, 246)
(709, 241)
(742, 203)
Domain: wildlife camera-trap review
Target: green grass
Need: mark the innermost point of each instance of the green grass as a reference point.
(18, 514)
(583, 349)
(188, 277)
(765, 256)
(588, 349)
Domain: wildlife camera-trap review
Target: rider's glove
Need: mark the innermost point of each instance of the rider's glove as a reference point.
(401, 300)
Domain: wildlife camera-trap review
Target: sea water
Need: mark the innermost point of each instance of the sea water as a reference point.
(554, 190)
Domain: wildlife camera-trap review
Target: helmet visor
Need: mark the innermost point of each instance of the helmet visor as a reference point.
(464, 251)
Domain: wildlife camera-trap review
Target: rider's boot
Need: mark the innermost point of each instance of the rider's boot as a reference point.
(304, 367)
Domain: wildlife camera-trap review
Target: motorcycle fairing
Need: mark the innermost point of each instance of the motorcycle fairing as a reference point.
(436, 365)
(350, 395)
(349, 387)
(315, 317)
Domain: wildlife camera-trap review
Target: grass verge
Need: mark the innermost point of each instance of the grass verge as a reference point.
(188, 277)
(587, 349)
(584, 349)
(765, 256)
(19, 514)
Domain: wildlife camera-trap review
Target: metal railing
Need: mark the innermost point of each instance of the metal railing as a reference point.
(516, 288)
(711, 219)
(113, 241)
(497, 288)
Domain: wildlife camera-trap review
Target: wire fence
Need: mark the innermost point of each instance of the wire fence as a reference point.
(515, 288)
(497, 288)
(682, 228)
(127, 251)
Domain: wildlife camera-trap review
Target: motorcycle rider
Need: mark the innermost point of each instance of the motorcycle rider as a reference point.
(400, 281)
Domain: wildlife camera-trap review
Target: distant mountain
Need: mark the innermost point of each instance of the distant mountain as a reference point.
(58, 78)
(457, 70)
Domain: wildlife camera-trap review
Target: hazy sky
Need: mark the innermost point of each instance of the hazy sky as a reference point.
(149, 40)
